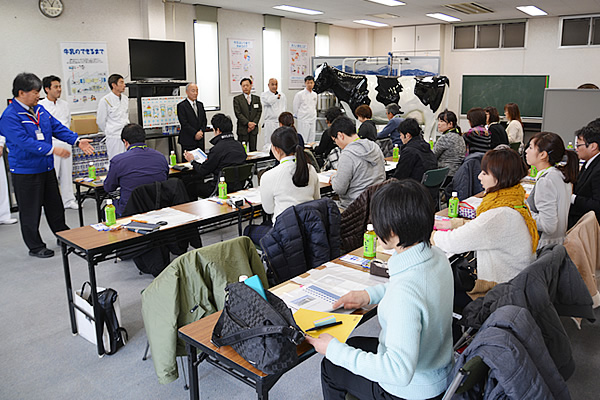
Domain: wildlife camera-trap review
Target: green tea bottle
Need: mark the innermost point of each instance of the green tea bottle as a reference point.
(222, 189)
(370, 242)
(453, 205)
(110, 213)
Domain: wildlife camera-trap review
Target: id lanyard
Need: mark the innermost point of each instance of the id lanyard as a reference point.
(138, 147)
(36, 121)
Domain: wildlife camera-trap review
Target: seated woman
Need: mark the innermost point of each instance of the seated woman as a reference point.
(287, 119)
(550, 198)
(367, 128)
(450, 148)
(412, 357)
(292, 182)
(504, 233)
(497, 131)
(514, 130)
(477, 139)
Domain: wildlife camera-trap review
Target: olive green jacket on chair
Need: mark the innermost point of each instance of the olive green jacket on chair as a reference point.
(194, 281)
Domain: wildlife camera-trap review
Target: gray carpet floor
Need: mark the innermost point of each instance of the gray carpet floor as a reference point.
(41, 359)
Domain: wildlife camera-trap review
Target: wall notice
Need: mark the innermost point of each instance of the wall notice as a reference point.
(85, 74)
(298, 63)
(242, 62)
(160, 111)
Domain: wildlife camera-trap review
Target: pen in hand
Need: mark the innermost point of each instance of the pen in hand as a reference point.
(317, 328)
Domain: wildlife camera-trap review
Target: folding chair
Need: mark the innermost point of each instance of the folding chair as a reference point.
(434, 179)
(238, 177)
(473, 372)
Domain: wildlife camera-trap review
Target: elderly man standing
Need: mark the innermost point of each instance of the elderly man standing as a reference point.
(59, 109)
(192, 118)
(248, 109)
(113, 115)
(28, 129)
(273, 105)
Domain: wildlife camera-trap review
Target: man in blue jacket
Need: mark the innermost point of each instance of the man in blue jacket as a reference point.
(28, 129)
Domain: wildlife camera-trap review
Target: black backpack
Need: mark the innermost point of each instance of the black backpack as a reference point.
(117, 336)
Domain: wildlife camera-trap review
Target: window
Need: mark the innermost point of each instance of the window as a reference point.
(206, 48)
(580, 31)
(271, 56)
(490, 35)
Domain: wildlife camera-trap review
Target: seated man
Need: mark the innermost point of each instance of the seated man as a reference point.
(326, 145)
(139, 165)
(586, 191)
(416, 156)
(391, 129)
(226, 152)
(361, 163)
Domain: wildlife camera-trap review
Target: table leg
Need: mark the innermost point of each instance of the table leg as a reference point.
(69, 286)
(262, 390)
(98, 322)
(193, 372)
(80, 204)
(98, 204)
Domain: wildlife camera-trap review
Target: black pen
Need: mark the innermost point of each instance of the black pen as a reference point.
(317, 328)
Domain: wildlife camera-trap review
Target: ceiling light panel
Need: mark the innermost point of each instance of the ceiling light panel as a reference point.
(298, 10)
(391, 3)
(370, 23)
(443, 17)
(532, 10)
(384, 16)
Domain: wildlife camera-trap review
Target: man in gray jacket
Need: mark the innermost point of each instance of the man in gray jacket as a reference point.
(361, 162)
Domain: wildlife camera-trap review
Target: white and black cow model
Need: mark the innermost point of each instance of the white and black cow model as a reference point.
(417, 97)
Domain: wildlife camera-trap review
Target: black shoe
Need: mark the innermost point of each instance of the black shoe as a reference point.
(43, 253)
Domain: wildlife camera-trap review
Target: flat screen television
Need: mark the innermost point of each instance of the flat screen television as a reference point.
(156, 59)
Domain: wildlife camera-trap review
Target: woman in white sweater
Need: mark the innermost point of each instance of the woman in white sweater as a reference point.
(514, 130)
(550, 198)
(293, 181)
(504, 234)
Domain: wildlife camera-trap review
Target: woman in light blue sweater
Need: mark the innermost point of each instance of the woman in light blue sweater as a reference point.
(412, 357)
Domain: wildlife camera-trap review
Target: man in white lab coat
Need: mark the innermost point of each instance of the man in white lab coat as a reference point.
(59, 109)
(305, 110)
(113, 115)
(273, 105)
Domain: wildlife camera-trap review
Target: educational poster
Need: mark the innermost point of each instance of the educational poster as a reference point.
(242, 63)
(160, 111)
(298, 61)
(85, 74)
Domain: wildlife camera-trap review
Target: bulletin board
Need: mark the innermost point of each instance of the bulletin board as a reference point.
(85, 74)
(242, 62)
(298, 61)
(160, 111)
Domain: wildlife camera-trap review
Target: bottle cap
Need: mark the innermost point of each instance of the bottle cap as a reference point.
(395, 145)
(454, 194)
(222, 179)
(242, 278)
(108, 202)
(91, 163)
(173, 152)
(370, 227)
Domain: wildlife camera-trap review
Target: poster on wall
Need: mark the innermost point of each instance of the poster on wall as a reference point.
(242, 62)
(299, 64)
(85, 74)
(160, 111)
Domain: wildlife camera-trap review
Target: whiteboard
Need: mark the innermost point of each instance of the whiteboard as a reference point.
(567, 110)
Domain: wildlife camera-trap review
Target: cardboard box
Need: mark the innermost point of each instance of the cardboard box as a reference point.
(84, 124)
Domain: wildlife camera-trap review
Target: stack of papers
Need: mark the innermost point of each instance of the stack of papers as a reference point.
(390, 165)
(258, 154)
(306, 320)
(171, 216)
(324, 177)
(199, 155)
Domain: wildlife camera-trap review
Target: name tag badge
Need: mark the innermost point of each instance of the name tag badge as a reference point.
(39, 134)
(255, 105)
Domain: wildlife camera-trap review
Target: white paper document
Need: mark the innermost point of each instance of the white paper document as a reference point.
(251, 195)
(199, 155)
(324, 177)
(390, 165)
(321, 288)
(171, 216)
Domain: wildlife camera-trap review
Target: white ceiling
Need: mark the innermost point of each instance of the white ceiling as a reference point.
(343, 12)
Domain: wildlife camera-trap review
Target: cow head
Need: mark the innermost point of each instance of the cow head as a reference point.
(324, 78)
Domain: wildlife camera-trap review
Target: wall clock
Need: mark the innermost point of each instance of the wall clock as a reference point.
(51, 8)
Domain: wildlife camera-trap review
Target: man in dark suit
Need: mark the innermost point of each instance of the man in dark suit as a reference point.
(192, 118)
(586, 192)
(248, 109)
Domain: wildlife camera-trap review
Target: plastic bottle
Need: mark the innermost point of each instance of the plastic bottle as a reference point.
(92, 171)
(110, 213)
(222, 189)
(431, 143)
(570, 146)
(453, 205)
(173, 158)
(396, 153)
(245, 147)
(370, 242)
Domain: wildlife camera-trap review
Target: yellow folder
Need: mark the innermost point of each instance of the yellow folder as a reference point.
(306, 320)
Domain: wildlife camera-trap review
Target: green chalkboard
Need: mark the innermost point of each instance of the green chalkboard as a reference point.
(497, 90)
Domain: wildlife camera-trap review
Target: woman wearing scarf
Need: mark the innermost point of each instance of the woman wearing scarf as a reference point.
(550, 198)
(504, 233)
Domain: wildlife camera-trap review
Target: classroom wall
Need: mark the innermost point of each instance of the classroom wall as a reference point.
(110, 21)
(567, 67)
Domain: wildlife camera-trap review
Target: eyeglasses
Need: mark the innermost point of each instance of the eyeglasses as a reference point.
(580, 144)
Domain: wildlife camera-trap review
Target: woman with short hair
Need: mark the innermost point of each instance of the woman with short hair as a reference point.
(497, 131)
(367, 128)
(477, 139)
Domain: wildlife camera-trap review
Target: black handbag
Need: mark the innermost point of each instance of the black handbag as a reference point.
(263, 332)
